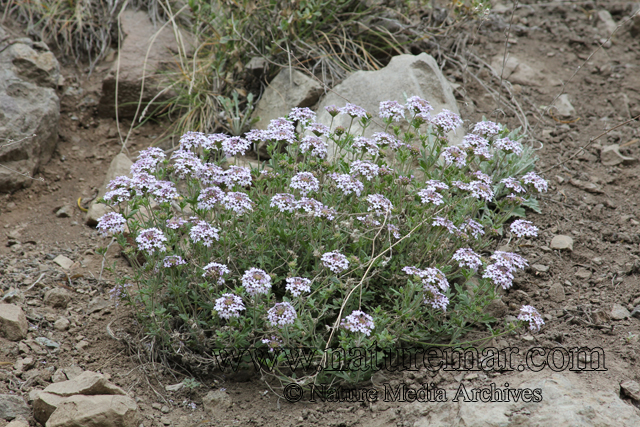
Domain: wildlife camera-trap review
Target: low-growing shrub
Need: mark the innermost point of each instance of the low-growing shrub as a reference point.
(364, 250)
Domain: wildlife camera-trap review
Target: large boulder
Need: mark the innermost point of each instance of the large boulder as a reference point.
(30, 109)
(405, 74)
(137, 56)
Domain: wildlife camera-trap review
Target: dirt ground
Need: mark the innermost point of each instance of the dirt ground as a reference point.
(594, 204)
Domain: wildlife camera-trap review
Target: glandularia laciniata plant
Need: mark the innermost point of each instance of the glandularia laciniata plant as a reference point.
(383, 246)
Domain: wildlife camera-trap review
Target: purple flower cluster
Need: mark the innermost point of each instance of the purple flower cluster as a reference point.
(446, 120)
(353, 111)
(228, 306)
(455, 155)
(151, 239)
(304, 116)
(473, 227)
(256, 281)
(111, 223)
(368, 221)
(273, 343)
(240, 203)
(335, 261)
(420, 107)
(193, 140)
(175, 223)
(238, 175)
(379, 204)
(509, 146)
(173, 261)
(391, 110)
(164, 192)
(539, 183)
(282, 314)
(383, 139)
(215, 271)
(506, 263)
(514, 184)
(209, 197)
(366, 144)
(319, 129)
(186, 164)
(305, 182)
(118, 292)
(444, 222)
(531, 315)
(466, 257)
(298, 285)
(235, 145)
(347, 184)
(211, 174)
(365, 168)
(486, 128)
(358, 321)
(315, 145)
(203, 232)
(522, 228)
(120, 188)
(285, 202)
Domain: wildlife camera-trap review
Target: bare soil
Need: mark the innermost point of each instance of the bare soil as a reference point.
(604, 220)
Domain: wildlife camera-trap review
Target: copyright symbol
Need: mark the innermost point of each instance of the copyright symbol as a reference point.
(293, 393)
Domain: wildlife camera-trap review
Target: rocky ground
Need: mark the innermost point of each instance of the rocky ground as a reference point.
(584, 275)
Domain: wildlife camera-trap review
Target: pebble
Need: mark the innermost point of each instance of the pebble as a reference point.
(540, 268)
(618, 312)
(165, 409)
(65, 211)
(562, 242)
(156, 406)
(583, 273)
(556, 293)
(62, 324)
(63, 261)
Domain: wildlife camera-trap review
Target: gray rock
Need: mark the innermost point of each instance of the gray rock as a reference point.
(139, 33)
(13, 322)
(619, 312)
(12, 406)
(520, 72)
(30, 106)
(57, 298)
(58, 376)
(65, 211)
(540, 268)
(120, 166)
(289, 89)
(215, 401)
(62, 324)
(583, 273)
(63, 262)
(563, 107)
(605, 23)
(18, 422)
(98, 304)
(561, 242)
(556, 292)
(611, 156)
(412, 75)
(567, 400)
(95, 411)
(631, 389)
(46, 342)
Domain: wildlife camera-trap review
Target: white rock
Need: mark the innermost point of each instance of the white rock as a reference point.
(62, 324)
(605, 23)
(563, 107)
(63, 262)
(618, 312)
(95, 411)
(561, 242)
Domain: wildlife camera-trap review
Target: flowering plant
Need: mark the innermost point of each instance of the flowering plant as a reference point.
(382, 245)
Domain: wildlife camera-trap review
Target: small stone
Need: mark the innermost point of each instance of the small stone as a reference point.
(216, 401)
(64, 212)
(583, 273)
(57, 298)
(528, 338)
(12, 406)
(62, 324)
(156, 406)
(82, 345)
(611, 156)
(20, 421)
(165, 409)
(630, 389)
(165, 420)
(587, 186)
(556, 293)
(540, 268)
(63, 261)
(564, 107)
(562, 242)
(46, 342)
(618, 312)
(545, 248)
(13, 322)
(58, 376)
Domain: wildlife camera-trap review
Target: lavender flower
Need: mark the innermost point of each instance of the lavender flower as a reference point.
(285, 202)
(486, 128)
(347, 184)
(358, 321)
(382, 139)
(466, 257)
(315, 145)
(204, 232)
(435, 298)
(211, 174)
(499, 275)
(111, 223)
(186, 163)
(446, 121)
(209, 196)
(193, 139)
(256, 281)
(429, 195)
(366, 144)
(116, 196)
(238, 175)
(214, 141)
(173, 261)
(531, 315)
(257, 135)
(175, 223)
(215, 271)
(475, 141)
(508, 146)
(368, 221)
(151, 239)
(143, 182)
(165, 192)
(353, 111)
(281, 124)
(391, 110)
(282, 314)
(509, 260)
(298, 285)
(305, 182)
(335, 261)
(482, 177)
(379, 204)
(332, 110)
(435, 184)
(522, 228)
(365, 168)
(273, 343)
(119, 292)
(302, 115)
(228, 306)
(420, 107)
(473, 227)
(318, 129)
(144, 164)
(395, 231)
(235, 145)
(443, 222)
(481, 190)
(429, 276)
(310, 205)
(539, 183)
(455, 155)
(240, 203)
(514, 184)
